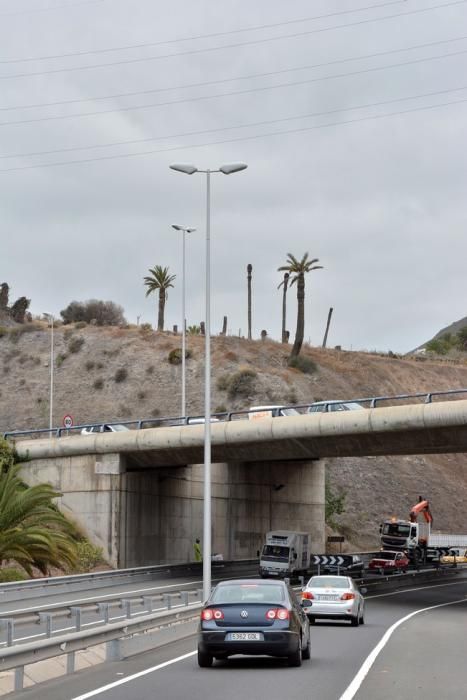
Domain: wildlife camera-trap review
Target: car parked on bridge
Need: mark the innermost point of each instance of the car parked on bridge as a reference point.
(333, 598)
(253, 617)
(326, 406)
(389, 562)
(104, 428)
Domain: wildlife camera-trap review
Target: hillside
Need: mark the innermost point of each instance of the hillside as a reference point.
(122, 374)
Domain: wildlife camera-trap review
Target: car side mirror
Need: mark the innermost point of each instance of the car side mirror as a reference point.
(363, 591)
(306, 603)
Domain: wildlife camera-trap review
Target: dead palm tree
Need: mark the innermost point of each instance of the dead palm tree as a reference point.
(159, 279)
(249, 269)
(284, 284)
(297, 269)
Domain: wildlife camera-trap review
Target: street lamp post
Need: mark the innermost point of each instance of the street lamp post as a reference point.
(184, 230)
(188, 169)
(51, 401)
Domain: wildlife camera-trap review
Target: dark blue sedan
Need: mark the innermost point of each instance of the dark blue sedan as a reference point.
(253, 617)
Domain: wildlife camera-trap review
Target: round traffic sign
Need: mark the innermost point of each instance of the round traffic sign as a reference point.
(67, 421)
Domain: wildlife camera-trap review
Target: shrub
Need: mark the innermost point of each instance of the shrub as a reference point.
(6, 369)
(90, 365)
(75, 345)
(60, 359)
(145, 327)
(81, 324)
(150, 369)
(88, 556)
(98, 384)
(221, 409)
(223, 382)
(193, 330)
(303, 364)
(10, 575)
(103, 313)
(230, 355)
(334, 504)
(242, 383)
(175, 356)
(3, 331)
(99, 365)
(141, 395)
(121, 375)
(156, 412)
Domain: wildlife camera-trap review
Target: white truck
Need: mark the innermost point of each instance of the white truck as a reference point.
(285, 554)
(416, 539)
(271, 412)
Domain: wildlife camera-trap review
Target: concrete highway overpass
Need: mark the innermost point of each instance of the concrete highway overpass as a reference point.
(138, 494)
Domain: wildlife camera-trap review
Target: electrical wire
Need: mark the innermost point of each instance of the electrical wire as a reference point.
(235, 93)
(235, 140)
(230, 46)
(239, 126)
(196, 37)
(252, 76)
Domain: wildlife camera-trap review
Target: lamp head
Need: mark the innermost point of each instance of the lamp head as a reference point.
(186, 168)
(230, 168)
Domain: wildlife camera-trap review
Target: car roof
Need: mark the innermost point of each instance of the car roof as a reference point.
(252, 582)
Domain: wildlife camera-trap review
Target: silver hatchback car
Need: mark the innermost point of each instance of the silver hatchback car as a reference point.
(333, 598)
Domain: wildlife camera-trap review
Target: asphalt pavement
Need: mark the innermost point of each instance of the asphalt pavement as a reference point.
(423, 654)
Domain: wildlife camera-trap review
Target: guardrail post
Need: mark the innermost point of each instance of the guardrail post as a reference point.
(103, 608)
(47, 618)
(199, 594)
(147, 602)
(10, 630)
(301, 580)
(19, 678)
(184, 597)
(167, 598)
(126, 607)
(287, 581)
(70, 662)
(76, 613)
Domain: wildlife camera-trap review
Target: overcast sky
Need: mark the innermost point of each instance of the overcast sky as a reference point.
(302, 98)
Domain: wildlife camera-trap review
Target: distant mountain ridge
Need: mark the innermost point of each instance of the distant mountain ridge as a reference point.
(453, 329)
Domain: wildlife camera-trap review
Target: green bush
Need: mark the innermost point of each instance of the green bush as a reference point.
(60, 359)
(175, 356)
(88, 556)
(10, 575)
(81, 324)
(121, 375)
(3, 331)
(242, 383)
(334, 504)
(98, 384)
(221, 409)
(223, 382)
(145, 327)
(75, 345)
(303, 364)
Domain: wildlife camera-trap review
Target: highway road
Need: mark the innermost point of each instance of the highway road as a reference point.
(416, 636)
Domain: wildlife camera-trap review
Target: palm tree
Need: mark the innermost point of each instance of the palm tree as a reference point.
(298, 269)
(284, 284)
(33, 532)
(159, 279)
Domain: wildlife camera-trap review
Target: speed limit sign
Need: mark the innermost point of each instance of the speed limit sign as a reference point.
(67, 421)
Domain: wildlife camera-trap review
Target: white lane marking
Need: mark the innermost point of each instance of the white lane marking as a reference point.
(109, 686)
(96, 598)
(351, 689)
(420, 588)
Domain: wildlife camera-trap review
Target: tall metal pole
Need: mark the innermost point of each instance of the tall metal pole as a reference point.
(183, 330)
(207, 406)
(51, 402)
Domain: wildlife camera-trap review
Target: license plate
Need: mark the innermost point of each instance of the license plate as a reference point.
(327, 597)
(244, 637)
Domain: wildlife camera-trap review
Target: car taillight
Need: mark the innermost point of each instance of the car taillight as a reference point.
(277, 614)
(307, 595)
(211, 614)
(348, 596)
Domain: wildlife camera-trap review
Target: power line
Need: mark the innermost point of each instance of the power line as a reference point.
(230, 46)
(235, 140)
(239, 126)
(232, 93)
(195, 37)
(252, 76)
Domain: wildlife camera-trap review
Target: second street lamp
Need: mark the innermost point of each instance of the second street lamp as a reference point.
(50, 318)
(184, 230)
(189, 169)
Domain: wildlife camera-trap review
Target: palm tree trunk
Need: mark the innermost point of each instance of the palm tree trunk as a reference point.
(284, 306)
(299, 333)
(249, 270)
(160, 317)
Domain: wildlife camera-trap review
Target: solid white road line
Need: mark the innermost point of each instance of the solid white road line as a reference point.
(351, 689)
(420, 588)
(122, 681)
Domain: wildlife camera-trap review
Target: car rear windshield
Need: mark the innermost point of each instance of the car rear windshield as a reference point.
(249, 593)
(328, 582)
(386, 555)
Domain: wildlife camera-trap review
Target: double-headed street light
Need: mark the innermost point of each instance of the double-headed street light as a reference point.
(188, 169)
(184, 230)
(50, 317)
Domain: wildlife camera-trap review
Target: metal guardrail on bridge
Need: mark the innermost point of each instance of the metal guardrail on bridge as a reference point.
(140, 424)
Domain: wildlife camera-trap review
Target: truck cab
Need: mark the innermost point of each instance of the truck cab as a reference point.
(285, 553)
